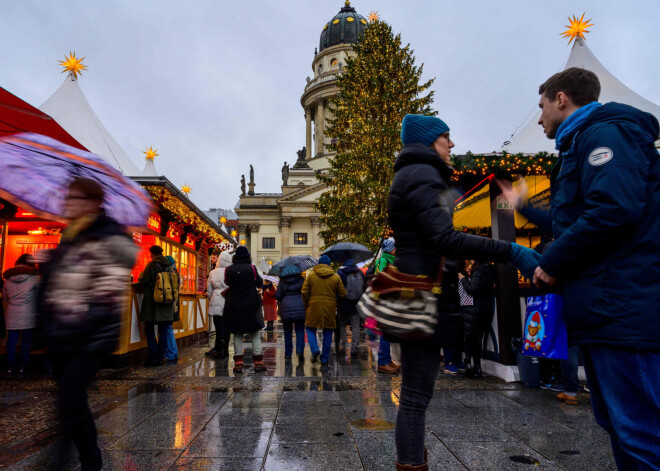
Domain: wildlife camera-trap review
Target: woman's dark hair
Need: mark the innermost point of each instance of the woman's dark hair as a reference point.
(580, 85)
(25, 260)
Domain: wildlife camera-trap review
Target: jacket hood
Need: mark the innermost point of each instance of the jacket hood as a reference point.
(225, 259)
(323, 271)
(162, 261)
(19, 273)
(421, 154)
(618, 112)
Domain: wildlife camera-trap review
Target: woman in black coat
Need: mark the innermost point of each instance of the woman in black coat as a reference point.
(420, 215)
(292, 311)
(243, 307)
(480, 284)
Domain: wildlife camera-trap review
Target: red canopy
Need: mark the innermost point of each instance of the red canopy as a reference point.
(19, 116)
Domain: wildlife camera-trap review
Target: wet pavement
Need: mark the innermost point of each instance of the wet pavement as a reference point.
(198, 415)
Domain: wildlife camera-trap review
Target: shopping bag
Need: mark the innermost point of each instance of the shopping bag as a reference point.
(545, 331)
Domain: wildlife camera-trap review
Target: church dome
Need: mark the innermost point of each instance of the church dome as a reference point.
(345, 28)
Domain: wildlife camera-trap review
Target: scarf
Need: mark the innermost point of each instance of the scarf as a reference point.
(573, 122)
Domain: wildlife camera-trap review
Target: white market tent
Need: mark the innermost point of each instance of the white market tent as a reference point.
(530, 139)
(69, 107)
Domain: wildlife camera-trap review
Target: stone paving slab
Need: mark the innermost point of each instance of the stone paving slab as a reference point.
(198, 415)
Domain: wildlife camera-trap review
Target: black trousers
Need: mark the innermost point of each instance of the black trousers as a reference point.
(73, 374)
(221, 332)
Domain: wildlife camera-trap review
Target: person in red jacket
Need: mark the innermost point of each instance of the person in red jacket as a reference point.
(270, 304)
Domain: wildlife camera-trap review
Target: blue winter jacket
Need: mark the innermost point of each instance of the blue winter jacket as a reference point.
(289, 297)
(605, 218)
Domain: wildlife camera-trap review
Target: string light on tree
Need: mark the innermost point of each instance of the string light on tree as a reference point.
(577, 28)
(73, 65)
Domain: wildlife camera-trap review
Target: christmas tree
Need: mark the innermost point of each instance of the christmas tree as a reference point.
(379, 85)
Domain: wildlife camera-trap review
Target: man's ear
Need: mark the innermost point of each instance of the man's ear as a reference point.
(562, 100)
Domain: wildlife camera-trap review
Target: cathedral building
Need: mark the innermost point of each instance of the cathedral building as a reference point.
(276, 225)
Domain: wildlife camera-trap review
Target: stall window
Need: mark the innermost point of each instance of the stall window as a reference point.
(188, 270)
(268, 243)
(300, 238)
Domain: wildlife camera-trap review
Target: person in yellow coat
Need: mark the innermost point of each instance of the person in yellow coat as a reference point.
(321, 291)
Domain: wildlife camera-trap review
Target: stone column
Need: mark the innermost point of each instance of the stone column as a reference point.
(285, 223)
(242, 232)
(254, 242)
(316, 242)
(308, 135)
(320, 128)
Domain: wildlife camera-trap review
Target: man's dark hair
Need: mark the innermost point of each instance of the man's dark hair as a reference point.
(25, 260)
(90, 188)
(580, 85)
(156, 250)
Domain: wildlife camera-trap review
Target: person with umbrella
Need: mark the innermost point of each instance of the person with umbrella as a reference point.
(85, 282)
(321, 291)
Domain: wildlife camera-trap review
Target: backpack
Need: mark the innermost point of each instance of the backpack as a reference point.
(166, 289)
(354, 287)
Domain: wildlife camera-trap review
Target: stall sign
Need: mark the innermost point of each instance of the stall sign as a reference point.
(173, 234)
(189, 242)
(137, 237)
(154, 222)
(22, 213)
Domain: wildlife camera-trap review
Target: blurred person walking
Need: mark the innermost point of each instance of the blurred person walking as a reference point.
(420, 215)
(605, 219)
(243, 308)
(85, 287)
(292, 311)
(215, 287)
(321, 292)
(171, 348)
(355, 283)
(156, 313)
(19, 301)
(270, 304)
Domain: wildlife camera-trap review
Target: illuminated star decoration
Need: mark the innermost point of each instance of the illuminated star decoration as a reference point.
(223, 220)
(186, 189)
(72, 64)
(234, 233)
(373, 16)
(577, 28)
(150, 154)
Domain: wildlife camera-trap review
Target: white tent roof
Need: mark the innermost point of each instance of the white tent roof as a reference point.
(150, 169)
(69, 107)
(530, 139)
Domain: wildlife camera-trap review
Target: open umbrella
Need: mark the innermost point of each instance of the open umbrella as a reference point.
(36, 171)
(342, 251)
(304, 262)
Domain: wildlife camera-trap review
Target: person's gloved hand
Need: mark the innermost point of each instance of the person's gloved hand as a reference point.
(525, 259)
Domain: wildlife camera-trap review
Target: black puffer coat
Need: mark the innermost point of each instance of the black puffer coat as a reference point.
(481, 286)
(243, 304)
(420, 214)
(289, 297)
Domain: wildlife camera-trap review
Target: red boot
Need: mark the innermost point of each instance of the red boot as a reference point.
(238, 363)
(259, 363)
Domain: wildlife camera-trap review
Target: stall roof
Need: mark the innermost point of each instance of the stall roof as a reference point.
(169, 186)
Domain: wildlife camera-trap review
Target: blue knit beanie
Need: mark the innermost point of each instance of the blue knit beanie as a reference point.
(420, 129)
(324, 260)
(389, 245)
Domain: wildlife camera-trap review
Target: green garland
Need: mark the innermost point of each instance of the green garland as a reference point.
(503, 165)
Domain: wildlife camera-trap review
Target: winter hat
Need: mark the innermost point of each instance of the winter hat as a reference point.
(388, 245)
(420, 129)
(536, 319)
(156, 250)
(324, 260)
(242, 251)
(171, 260)
(291, 270)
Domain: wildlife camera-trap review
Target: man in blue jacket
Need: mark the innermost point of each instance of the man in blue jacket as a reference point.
(605, 218)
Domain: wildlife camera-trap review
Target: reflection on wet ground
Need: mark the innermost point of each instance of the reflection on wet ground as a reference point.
(298, 416)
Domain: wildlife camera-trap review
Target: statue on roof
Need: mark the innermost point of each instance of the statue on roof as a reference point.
(242, 185)
(302, 153)
(285, 173)
(251, 174)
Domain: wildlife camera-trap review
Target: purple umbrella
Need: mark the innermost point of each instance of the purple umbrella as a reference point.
(36, 171)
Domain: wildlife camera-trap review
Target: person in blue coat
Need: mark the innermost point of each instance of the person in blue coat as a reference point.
(605, 218)
(292, 311)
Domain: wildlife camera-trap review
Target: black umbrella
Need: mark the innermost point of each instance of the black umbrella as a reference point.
(342, 251)
(304, 262)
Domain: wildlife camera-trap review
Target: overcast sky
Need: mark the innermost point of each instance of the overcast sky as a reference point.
(216, 85)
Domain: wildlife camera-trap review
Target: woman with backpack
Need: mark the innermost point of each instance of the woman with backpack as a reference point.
(19, 300)
(215, 287)
(355, 284)
(292, 311)
(243, 307)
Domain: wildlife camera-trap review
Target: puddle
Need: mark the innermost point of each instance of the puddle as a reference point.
(525, 459)
(373, 424)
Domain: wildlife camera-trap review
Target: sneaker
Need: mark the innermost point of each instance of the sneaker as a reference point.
(315, 357)
(551, 387)
(451, 369)
(566, 399)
